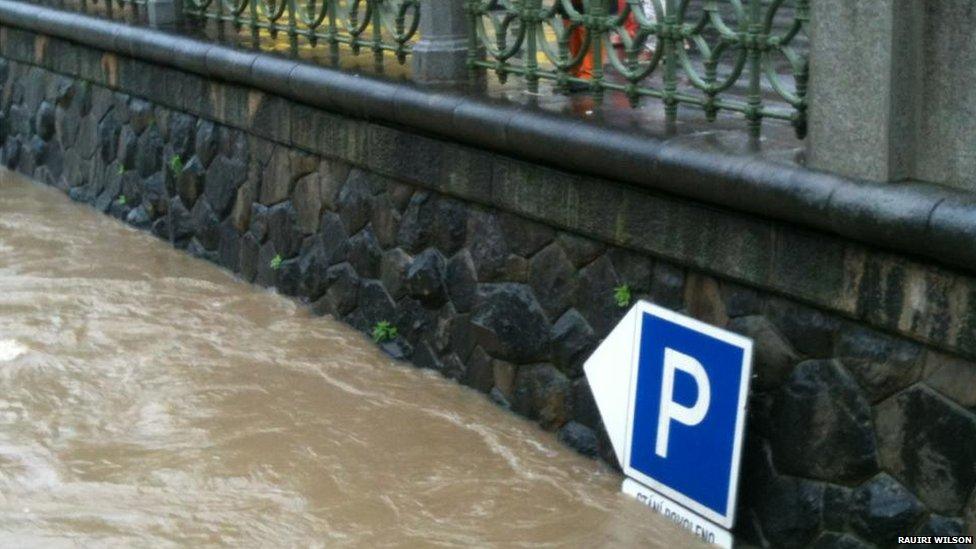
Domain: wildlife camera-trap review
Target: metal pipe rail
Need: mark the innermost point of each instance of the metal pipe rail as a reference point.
(671, 50)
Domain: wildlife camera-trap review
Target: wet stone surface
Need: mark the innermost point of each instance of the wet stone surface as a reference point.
(853, 433)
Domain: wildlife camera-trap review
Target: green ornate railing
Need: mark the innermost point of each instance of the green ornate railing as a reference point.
(376, 25)
(715, 55)
(108, 8)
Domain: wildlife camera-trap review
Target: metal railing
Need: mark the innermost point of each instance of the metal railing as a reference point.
(376, 25)
(743, 56)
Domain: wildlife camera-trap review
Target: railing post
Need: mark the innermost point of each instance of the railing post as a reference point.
(441, 54)
(164, 13)
(865, 89)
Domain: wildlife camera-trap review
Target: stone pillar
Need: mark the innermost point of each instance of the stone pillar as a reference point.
(440, 57)
(865, 65)
(164, 13)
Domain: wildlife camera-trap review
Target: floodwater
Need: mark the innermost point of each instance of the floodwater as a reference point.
(149, 399)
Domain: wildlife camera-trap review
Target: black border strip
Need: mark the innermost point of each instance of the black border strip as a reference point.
(914, 218)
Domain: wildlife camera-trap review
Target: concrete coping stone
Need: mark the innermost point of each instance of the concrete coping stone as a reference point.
(912, 218)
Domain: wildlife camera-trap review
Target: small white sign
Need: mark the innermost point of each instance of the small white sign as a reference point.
(672, 393)
(699, 527)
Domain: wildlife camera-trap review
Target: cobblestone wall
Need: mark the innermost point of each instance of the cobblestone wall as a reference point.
(854, 436)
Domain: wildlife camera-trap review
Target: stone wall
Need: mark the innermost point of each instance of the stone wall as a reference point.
(855, 435)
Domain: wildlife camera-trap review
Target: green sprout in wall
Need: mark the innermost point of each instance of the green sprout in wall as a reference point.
(120, 170)
(384, 331)
(176, 164)
(621, 294)
(121, 200)
(276, 262)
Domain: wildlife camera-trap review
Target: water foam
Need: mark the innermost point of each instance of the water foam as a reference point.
(11, 349)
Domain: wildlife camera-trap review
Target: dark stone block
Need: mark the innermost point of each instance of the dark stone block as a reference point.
(128, 147)
(356, 201)
(425, 278)
(837, 507)
(425, 357)
(883, 509)
(155, 196)
(414, 321)
(259, 221)
(365, 253)
(343, 289)
(222, 179)
(953, 377)
(525, 237)
(541, 394)
(283, 229)
(206, 225)
(393, 271)
(938, 525)
(580, 251)
(836, 540)
(740, 300)
(109, 193)
(266, 272)
(288, 277)
(417, 223)
(197, 250)
(633, 268)
(462, 337)
(487, 245)
(108, 140)
(580, 438)
(461, 281)
(773, 357)
(788, 509)
(87, 141)
(582, 405)
(920, 441)
(882, 364)
(595, 295)
(182, 134)
(149, 153)
(229, 249)
(822, 425)
(811, 332)
(509, 324)
(139, 218)
(189, 182)
(180, 222)
(480, 372)
(572, 340)
(450, 225)
(141, 115)
(668, 286)
(375, 304)
(45, 121)
(205, 144)
(552, 278)
(250, 248)
(132, 188)
(398, 349)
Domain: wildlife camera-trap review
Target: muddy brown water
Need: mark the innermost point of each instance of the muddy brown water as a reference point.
(149, 399)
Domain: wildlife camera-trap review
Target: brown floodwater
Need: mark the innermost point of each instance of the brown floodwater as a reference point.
(149, 399)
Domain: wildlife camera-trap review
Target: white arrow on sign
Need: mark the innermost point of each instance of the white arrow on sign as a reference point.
(627, 385)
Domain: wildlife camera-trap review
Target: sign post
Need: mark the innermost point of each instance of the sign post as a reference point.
(672, 393)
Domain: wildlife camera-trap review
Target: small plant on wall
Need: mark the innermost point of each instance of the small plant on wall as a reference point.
(275, 262)
(121, 200)
(384, 331)
(622, 295)
(176, 164)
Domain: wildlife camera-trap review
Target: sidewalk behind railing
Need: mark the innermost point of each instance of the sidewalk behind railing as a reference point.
(739, 56)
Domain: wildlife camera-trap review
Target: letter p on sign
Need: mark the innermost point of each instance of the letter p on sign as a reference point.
(671, 410)
(686, 415)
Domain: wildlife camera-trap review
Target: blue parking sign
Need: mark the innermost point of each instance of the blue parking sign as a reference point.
(687, 410)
